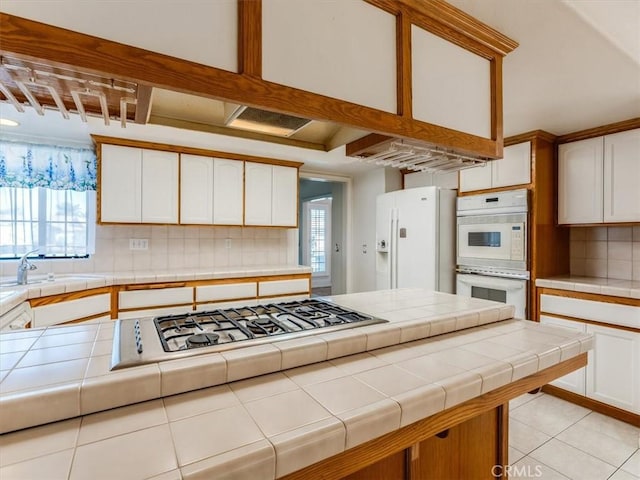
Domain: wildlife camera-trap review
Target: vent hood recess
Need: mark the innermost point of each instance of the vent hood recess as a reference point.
(262, 121)
(410, 155)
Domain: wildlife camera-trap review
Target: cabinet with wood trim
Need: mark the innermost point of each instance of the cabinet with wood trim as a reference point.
(612, 376)
(72, 307)
(598, 179)
(514, 168)
(138, 185)
(271, 195)
(154, 299)
(211, 190)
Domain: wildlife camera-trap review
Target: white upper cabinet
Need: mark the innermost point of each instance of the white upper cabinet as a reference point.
(196, 189)
(209, 30)
(210, 190)
(120, 184)
(451, 85)
(257, 194)
(228, 191)
(514, 168)
(271, 195)
(580, 181)
(138, 185)
(598, 179)
(343, 49)
(284, 196)
(622, 177)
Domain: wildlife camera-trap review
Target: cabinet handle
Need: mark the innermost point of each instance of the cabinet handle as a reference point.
(155, 286)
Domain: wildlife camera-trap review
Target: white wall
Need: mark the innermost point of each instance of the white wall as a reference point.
(424, 179)
(366, 187)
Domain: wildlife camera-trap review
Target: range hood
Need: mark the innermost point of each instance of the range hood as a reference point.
(262, 121)
(409, 155)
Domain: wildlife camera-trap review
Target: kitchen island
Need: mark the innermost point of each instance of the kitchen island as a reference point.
(356, 403)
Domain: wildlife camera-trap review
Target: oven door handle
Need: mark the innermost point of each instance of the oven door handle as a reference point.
(492, 282)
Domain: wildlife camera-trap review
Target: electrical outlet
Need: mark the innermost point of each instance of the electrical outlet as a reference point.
(138, 244)
(227, 243)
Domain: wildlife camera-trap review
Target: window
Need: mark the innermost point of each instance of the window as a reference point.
(47, 200)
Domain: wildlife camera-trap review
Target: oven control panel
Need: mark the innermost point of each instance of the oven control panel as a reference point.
(517, 242)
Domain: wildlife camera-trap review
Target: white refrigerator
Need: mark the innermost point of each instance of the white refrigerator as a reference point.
(415, 239)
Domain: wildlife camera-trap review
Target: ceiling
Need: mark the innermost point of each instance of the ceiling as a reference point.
(577, 67)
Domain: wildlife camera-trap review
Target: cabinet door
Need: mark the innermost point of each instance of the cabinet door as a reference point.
(580, 181)
(622, 177)
(476, 178)
(228, 195)
(257, 194)
(120, 174)
(514, 168)
(284, 206)
(196, 189)
(159, 187)
(576, 380)
(613, 371)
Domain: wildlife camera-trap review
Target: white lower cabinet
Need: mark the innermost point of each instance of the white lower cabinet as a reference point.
(612, 374)
(64, 311)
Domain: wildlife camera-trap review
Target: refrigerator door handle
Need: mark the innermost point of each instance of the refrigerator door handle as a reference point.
(394, 248)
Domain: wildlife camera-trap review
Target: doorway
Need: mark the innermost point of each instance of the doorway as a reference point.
(323, 232)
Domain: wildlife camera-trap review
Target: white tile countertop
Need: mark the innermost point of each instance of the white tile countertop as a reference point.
(597, 285)
(270, 425)
(39, 286)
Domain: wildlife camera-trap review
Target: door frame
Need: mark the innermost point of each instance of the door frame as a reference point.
(347, 218)
(318, 279)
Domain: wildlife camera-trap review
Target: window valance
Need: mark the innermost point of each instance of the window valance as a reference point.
(28, 165)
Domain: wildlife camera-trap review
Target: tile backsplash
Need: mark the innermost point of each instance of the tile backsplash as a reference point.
(610, 252)
(176, 248)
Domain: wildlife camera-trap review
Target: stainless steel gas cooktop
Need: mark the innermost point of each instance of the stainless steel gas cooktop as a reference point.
(148, 340)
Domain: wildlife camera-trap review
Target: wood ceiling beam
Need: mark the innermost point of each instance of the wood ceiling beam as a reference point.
(143, 104)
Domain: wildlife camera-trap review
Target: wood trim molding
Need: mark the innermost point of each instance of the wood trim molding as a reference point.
(99, 139)
(597, 297)
(250, 37)
(599, 131)
(356, 458)
(404, 81)
(595, 405)
(530, 137)
(496, 103)
(64, 297)
(143, 104)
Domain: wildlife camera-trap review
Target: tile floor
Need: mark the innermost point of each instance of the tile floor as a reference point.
(552, 439)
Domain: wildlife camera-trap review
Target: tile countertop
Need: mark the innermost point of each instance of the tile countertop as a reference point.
(13, 295)
(598, 285)
(268, 426)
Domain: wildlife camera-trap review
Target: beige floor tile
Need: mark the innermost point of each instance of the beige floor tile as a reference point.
(136, 455)
(198, 402)
(572, 462)
(47, 341)
(172, 475)
(309, 444)
(317, 373)
(43, 356)
(186, 374)
(522, 399)
(525, 437)
(514, 455)
(622, 475)
(357, 363)
(528, 468)
(632, 465)
(420, 403)
(197, 438)
(119, 421)
(371, 421)
(252, 361)
(253, 461)
(624, 432)
(286, 411)
(42, 375)
(39, 441)
(597, 444)
(391, 380)
(343, 394)
(263, 386)
(549, 414)
(55, 466)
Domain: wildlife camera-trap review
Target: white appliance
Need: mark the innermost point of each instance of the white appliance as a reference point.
(506, 290)
(492, 248)
(415, 239)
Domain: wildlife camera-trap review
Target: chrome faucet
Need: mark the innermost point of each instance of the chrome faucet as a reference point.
(24, 266)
